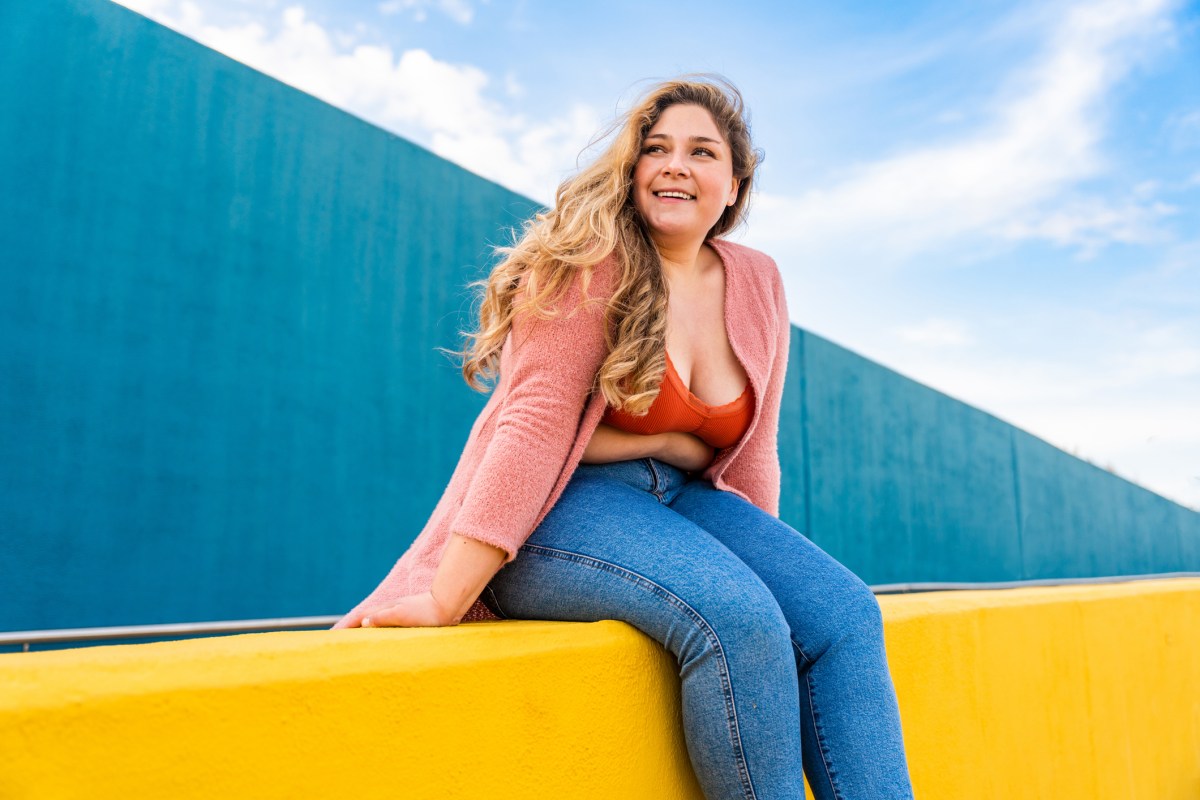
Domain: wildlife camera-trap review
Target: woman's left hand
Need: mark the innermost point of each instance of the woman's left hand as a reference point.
(684, 450)
(412, 611)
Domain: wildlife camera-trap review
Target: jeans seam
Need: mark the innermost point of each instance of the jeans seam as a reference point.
(706, 628)
(658, 482)
(824, 751)
(803, 655)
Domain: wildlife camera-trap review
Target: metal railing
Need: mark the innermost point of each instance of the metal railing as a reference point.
(186, 629)
(176, 629)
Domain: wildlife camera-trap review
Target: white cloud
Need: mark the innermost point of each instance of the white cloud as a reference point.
(1184, 130)
(1161, 351)
(1043, 140)
(458, 10)
(1090, 224)
(442, 105)
(1119, 388)
(1114, 355)
(512, 87)
(1111, 387)
(937, 332)
(1155, 450)
(153, 8)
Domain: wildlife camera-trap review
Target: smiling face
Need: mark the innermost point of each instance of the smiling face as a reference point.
(683, 179)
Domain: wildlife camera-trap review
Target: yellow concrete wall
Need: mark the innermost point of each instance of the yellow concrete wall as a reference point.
(1056, 692)
(1076, 692)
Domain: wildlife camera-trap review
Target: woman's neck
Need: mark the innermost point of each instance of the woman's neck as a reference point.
(682, 261)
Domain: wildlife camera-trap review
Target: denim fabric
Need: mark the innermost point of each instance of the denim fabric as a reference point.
(780, 647)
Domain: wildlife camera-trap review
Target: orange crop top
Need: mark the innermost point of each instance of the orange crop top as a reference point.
(677, 409)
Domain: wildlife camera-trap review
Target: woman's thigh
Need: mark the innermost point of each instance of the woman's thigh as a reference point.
(820, 597)
(610, 548)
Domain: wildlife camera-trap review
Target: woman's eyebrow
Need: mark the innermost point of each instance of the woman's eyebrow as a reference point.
(690, 138)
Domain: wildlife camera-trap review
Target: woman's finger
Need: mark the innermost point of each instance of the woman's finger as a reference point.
(351, 620)
(388, 617)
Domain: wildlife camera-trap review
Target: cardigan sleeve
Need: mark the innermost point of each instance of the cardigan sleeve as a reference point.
(553, 365)
(756, 470)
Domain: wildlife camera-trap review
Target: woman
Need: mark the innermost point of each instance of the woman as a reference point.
(626, 465)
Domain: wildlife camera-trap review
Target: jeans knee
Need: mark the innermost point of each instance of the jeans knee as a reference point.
(872, 611)
(747, 621)
(846, 610)
(860, 610)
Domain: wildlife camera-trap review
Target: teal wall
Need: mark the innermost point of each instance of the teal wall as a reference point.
(220, 397)
(219, 303)
(904, 484)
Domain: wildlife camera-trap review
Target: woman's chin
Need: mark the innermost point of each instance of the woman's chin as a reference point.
(664, 231)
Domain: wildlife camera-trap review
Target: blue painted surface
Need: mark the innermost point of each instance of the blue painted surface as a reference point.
(906, 483)
(220, 301)
(218, 313)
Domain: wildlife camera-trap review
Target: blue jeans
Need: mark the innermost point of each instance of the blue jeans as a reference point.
(780, 647)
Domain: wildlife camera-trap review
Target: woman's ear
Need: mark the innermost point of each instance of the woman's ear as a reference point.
(733, 192)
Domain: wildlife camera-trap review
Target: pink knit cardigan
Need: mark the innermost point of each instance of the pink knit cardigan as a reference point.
(530, 436)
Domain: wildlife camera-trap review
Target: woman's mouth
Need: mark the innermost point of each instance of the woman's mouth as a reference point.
(674, 194)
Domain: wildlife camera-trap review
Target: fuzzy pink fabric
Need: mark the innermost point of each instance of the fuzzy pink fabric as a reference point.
(530, 436)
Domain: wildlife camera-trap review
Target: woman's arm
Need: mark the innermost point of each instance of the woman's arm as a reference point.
(466, 567)
(468, 564)
(680, 449)
(549, 366)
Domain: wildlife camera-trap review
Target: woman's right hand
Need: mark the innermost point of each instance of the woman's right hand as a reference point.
(412, 611)
(684, 450)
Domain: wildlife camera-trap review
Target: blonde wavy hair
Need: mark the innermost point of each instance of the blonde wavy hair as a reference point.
(594, 216)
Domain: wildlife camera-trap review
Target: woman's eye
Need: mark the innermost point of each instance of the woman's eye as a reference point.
(704, 151)
(652, 148)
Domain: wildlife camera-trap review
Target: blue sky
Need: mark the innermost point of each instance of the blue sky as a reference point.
(1000, 200)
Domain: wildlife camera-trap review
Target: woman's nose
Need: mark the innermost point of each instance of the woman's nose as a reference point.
(675, 165)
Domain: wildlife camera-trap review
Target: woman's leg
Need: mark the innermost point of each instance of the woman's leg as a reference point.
(852, 742)
(612, 549)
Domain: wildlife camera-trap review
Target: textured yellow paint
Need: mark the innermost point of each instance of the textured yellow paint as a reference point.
(1087, 692)
(1057, 692)
(497, 710)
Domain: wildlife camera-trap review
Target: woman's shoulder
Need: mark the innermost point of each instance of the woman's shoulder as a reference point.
(585, 283)
(754, 262)
(607, 269)
(599, 280)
